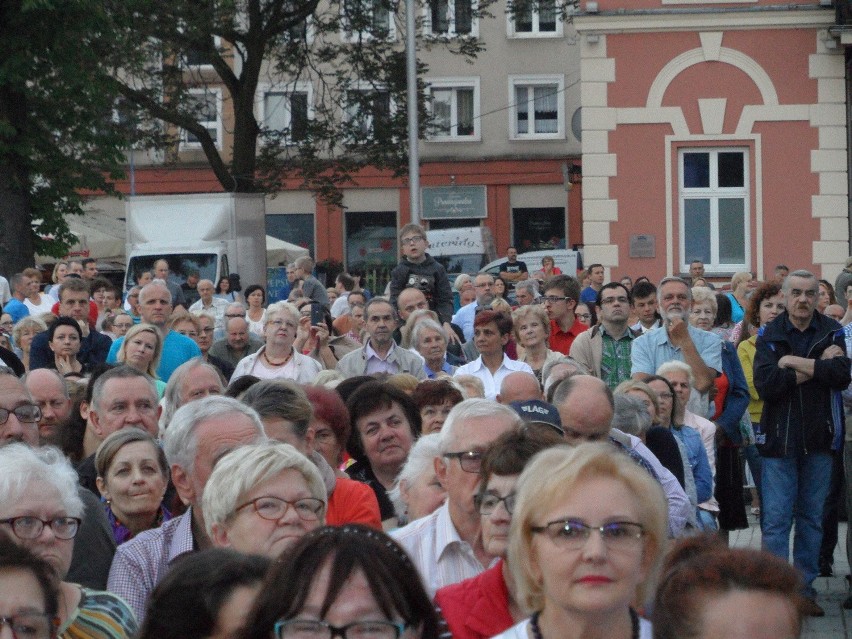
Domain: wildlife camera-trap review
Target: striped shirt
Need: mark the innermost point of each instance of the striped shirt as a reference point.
(441, 556)
(99, 615)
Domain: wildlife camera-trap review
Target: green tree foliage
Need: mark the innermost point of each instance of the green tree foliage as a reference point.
(58, 136)
(358, 81)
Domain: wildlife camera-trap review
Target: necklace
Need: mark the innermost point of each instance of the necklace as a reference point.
(271, 363)
(536, 631)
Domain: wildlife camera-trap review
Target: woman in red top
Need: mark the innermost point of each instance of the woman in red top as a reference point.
(484, 606)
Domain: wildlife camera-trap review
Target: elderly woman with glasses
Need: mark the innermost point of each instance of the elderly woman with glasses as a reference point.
(262, 498)
(587, 537)
(41, 510)
(277, 357)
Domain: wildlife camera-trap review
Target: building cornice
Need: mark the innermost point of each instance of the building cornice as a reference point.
(694, 19)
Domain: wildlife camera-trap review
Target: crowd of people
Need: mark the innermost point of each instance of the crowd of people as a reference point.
(531, 455)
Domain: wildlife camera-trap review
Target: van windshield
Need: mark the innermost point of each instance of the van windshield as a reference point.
(180, 265)
(456, 264)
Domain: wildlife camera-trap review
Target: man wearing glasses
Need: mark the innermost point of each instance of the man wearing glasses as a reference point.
(605, 349)
(560, 301)
(446, 546)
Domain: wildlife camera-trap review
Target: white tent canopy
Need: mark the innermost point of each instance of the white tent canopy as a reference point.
(98, 235)
(103, 237)
(278, 251)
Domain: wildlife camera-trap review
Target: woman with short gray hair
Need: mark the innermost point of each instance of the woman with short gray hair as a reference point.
(277, 358)
(262, 498)
(38, 490)
(429, 339)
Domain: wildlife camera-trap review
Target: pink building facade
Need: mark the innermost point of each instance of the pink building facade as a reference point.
(713, 131)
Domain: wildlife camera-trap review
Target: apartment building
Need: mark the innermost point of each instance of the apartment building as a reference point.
(505, 151)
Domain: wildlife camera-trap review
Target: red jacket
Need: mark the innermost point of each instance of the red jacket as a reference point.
(352, 502)
(477, 608)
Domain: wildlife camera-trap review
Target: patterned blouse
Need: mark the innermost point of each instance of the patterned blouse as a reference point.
(100, 615)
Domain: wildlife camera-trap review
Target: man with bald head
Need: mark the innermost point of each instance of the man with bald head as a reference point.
(161, 272)
(155, 305)
(238, 342)
(206, 303)
(49, 392)
(519, 387)
(586, 407)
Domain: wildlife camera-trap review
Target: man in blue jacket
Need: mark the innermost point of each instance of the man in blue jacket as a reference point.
(800, 368)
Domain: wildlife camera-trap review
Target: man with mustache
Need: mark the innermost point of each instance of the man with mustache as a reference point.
(800, 365)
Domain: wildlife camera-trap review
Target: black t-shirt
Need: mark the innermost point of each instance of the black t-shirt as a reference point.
(510, 267)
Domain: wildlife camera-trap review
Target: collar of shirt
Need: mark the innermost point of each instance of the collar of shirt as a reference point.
(371, 353)
(478, 364)
(183, 541)
(446, 535)
(627, 333)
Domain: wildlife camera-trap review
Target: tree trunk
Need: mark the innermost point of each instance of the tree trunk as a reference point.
(16, 242)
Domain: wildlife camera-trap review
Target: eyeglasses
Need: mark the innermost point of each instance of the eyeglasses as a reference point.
(207, 330)
(414, 239)
(484, 285)
(28, 413)
(470, 461)
(552, 299)
(584, 316)
(233, 315)
(279, 323)
(488, 503)
(7, 323)
(30, 527)
(665, 395)
(310, 629)
(273, 508)
(30, 625)
(572, 534)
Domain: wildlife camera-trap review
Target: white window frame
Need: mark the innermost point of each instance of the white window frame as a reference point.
(209, 124)
(288, 89)
(350, 36)
(512, 32)
(217, 43)
(366, 87)
(453, 84)
(534, 81)
(451, 31)
(715, 193)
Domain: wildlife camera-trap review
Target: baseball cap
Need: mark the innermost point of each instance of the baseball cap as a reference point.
(535, 411)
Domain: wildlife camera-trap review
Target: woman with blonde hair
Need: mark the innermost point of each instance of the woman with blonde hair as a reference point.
(587, 538)
(141, 349)
(740, 286)
(23, 333)
(532, 329)
(36, 301)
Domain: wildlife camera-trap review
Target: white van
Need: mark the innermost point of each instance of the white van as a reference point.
(462, 250)
(565, 260)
